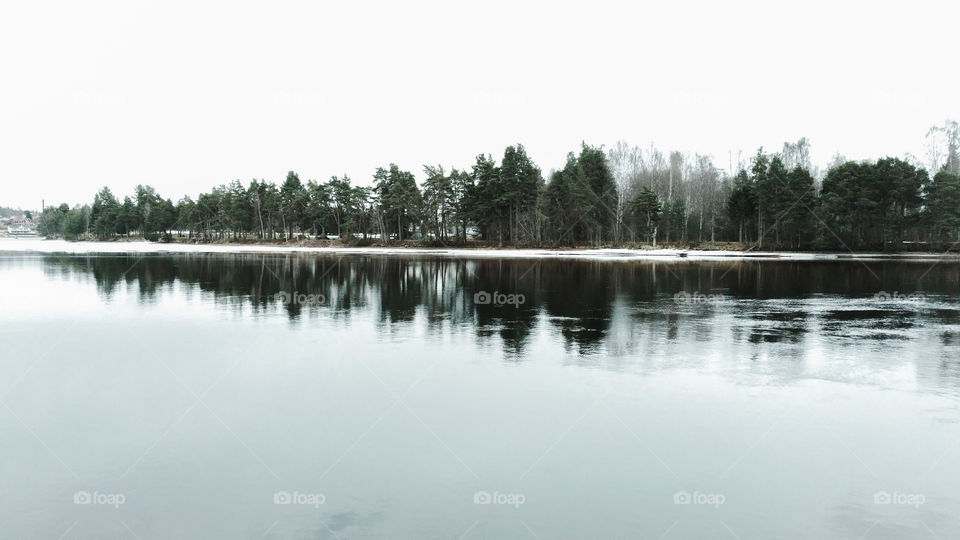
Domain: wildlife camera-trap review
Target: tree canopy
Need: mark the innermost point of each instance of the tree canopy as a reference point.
(625, 195)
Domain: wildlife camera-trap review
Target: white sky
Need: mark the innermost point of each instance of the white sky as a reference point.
(184, 96)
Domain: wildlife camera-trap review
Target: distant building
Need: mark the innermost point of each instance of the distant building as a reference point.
(21, 226)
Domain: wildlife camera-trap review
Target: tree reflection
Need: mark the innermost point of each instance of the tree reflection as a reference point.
(664, 302)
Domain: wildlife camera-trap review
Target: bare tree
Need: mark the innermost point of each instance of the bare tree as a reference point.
(796, 154)
(837, 160)
(626, 163)
(676, 171)
(943, 147)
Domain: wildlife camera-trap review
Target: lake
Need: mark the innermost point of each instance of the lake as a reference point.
(366, 396)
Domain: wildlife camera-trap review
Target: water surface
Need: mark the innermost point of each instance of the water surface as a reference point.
(189, 395)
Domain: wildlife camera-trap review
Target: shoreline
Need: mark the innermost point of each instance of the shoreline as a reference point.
(42, 246)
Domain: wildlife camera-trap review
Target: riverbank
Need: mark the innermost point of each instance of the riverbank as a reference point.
(33, 245)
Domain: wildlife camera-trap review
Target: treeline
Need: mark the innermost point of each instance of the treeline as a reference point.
(781, 201)
(624, 196)
(878, 205)
(6, 212)
(505, 202)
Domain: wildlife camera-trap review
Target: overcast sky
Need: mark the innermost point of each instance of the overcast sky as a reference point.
(187, 95)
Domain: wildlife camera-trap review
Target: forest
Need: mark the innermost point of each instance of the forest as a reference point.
(621, 196)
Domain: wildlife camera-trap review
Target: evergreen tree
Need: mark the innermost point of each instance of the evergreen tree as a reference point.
(520, 184)
(899, 195)
(399, 200)
(764, 193)
(646, 208)
(293, 202)
(437, 200)
(104, 214)
(128, 217)
(600, 181)
(777, 198)
(941, 215)
(463, 200)
(486, 207)
(798, 218)
(676, 214)
(742, 205)
(319, 207)
(568, 201)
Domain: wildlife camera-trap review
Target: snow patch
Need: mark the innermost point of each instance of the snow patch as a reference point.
(33, 245)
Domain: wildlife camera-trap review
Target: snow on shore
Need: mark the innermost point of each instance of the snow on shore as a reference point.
(35, 245)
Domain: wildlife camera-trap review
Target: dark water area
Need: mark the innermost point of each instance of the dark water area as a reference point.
(356, 396)
(575, 296)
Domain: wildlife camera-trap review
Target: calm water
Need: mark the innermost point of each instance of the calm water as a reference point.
(252, 396)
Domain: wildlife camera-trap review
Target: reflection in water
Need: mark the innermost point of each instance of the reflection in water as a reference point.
(400, 386)
(765, 302)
